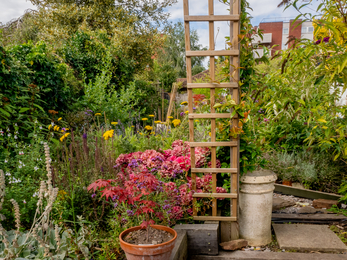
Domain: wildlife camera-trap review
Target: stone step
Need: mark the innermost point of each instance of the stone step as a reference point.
(252, 255)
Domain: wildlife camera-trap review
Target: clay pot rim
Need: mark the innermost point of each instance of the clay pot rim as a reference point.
(144, 246)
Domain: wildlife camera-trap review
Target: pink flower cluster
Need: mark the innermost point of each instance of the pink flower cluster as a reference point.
(168, 164)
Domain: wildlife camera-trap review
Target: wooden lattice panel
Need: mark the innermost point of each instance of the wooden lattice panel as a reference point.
(233, 85)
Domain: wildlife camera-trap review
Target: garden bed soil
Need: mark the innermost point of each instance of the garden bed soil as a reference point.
(155, 236)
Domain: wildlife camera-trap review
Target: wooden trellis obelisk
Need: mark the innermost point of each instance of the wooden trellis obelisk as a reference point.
(234, 19)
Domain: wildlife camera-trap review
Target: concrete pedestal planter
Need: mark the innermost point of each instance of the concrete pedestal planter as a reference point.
(148, 252)
(255, 206)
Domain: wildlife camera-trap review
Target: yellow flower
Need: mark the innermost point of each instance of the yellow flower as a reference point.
(141, 133)
(60, 118)
(114, 123)
(49, 127)
(184, 103)
(98, 114)
(176, 122)
(144, 119)
(64, 136)
(157, 122)
(170, 117)
(108, 134)
(148, 127)
(186, 112)
(3, 62)
(197, 121)
(56, 128)
(132, 126)
(151, 115)
(152, 133)
(209, 133)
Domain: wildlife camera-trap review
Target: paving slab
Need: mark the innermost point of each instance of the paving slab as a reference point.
(308, 238)
(249, 255)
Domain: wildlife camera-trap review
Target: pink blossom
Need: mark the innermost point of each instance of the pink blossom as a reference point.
(152, 159)
(176, 213)
(184, 162)
(170, 169)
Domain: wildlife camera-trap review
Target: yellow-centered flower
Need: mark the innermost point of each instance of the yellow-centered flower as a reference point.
(170, 117)
(151, 115)
(98, 114)
(184, 103)
(157, 122)
(148, 127)
(144, 119)
(64, 136)
(176, 122)
(108, 134)
(114, 123)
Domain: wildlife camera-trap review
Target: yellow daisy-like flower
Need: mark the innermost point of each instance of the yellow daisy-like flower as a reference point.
(60, 118)
(176, 122)
(108, 134)
(141, 133)
(184, 103)
(170, 117)
(144, 119)
(186, 112)
(98, 114)
(157, 122)
(132, 126)
(209, 133)
(114, 123)
(151, 115)
(148, 127)
(152, 133)
(49, 127)
(197, 121)
(64, 136)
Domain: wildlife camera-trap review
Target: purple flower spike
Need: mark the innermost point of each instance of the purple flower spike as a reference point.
(85, 135)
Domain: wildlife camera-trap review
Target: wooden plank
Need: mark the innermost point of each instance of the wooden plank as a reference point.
(329, 217)
(304, 193)
(211, 18)
(213, 85)
(234, 77)
(214, 170)
(172, 101)
(212, 53)
(202, 238)
(203, 218)
(215, 195)
(213, 144)
(212, 103)
(180, 250)
(210, 115)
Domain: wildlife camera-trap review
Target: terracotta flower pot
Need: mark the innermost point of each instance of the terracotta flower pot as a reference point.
(287, 183)
(148, 252)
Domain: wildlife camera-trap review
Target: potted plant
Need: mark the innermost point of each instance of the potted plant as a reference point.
(147, 241)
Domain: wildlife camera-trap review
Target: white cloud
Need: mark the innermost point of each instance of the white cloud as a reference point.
(10, 9)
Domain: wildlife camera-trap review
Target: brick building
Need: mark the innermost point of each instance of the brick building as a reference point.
(277, 32)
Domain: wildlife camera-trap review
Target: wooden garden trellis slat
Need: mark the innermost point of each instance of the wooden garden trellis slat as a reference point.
(233, 85)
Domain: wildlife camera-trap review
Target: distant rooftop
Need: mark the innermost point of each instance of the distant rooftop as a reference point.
(277, 19)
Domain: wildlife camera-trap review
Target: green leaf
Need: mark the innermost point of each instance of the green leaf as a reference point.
(23, 109)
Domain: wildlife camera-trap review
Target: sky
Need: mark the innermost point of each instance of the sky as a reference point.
(262, 9)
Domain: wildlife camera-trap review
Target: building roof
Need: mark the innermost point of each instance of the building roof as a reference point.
(195, 77)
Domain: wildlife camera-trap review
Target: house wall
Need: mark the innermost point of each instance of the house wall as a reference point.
(276, 29)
